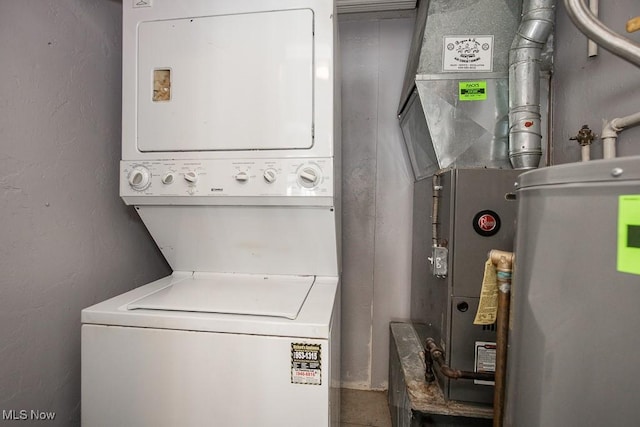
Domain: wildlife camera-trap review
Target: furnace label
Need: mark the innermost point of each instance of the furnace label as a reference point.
(485, 360)
(306, 363)
(467, 53)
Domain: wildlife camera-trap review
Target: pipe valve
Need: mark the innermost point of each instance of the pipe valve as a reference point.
(585, 136)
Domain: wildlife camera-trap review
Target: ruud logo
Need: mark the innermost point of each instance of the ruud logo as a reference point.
(486, 223)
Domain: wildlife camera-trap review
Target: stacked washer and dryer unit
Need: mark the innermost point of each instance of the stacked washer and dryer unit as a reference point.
(231, 158)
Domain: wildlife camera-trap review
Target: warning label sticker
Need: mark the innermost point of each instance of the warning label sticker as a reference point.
(467, 53)
(306, 363)
(485, 360)
(488, 307)
(472, 91)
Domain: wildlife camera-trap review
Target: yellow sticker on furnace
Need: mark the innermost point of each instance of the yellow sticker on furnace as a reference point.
(488, 306)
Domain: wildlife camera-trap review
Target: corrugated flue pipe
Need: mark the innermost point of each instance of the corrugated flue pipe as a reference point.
(525, 130)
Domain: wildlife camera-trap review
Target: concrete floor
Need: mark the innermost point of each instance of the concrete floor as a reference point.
(364, 408)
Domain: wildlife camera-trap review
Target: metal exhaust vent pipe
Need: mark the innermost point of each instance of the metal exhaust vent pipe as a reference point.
(525, 133)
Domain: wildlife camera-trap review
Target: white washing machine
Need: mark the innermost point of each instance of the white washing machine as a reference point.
(230, 156)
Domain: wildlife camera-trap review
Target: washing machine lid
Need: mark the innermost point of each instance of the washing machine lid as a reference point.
(249, 294)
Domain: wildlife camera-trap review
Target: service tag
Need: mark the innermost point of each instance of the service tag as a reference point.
(488, 306)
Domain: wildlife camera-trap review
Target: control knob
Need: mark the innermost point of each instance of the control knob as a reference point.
(242, 177)
(167, 178)
(270, 175)
(191, 177)
(309, 176)
(139, 178)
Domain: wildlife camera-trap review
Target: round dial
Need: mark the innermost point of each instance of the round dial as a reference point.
(309, 176)
(168, 178)
(242, 177)
(191, 177)
(139, 178)
(270, 175)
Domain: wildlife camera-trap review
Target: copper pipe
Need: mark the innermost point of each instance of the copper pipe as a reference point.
(504, 264)
(436, 354)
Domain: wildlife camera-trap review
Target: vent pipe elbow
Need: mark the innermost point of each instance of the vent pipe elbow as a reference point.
(525, 129)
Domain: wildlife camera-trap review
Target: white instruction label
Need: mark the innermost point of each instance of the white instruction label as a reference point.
(485, 360)
(467, 53)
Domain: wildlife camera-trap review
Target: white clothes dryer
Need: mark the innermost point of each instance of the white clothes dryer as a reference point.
(230, 146)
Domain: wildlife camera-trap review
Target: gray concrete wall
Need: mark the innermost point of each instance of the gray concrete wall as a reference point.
(377, 195)
(66, 239)
(588, 90)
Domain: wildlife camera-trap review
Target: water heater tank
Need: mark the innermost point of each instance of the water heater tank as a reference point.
(575, 329)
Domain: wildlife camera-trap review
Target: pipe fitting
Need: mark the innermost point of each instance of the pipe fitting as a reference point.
(496, 256)
(610, 130)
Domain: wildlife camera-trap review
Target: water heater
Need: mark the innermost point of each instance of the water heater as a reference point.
(574, 341)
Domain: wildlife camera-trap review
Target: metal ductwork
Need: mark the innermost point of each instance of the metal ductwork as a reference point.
(454, 108)
(525, 129)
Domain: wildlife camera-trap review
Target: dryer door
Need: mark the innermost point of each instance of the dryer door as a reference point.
(232, 82)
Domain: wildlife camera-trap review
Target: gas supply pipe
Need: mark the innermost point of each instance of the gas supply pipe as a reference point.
(504, 266)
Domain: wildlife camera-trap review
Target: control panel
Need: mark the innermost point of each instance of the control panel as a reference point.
(216, 178)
